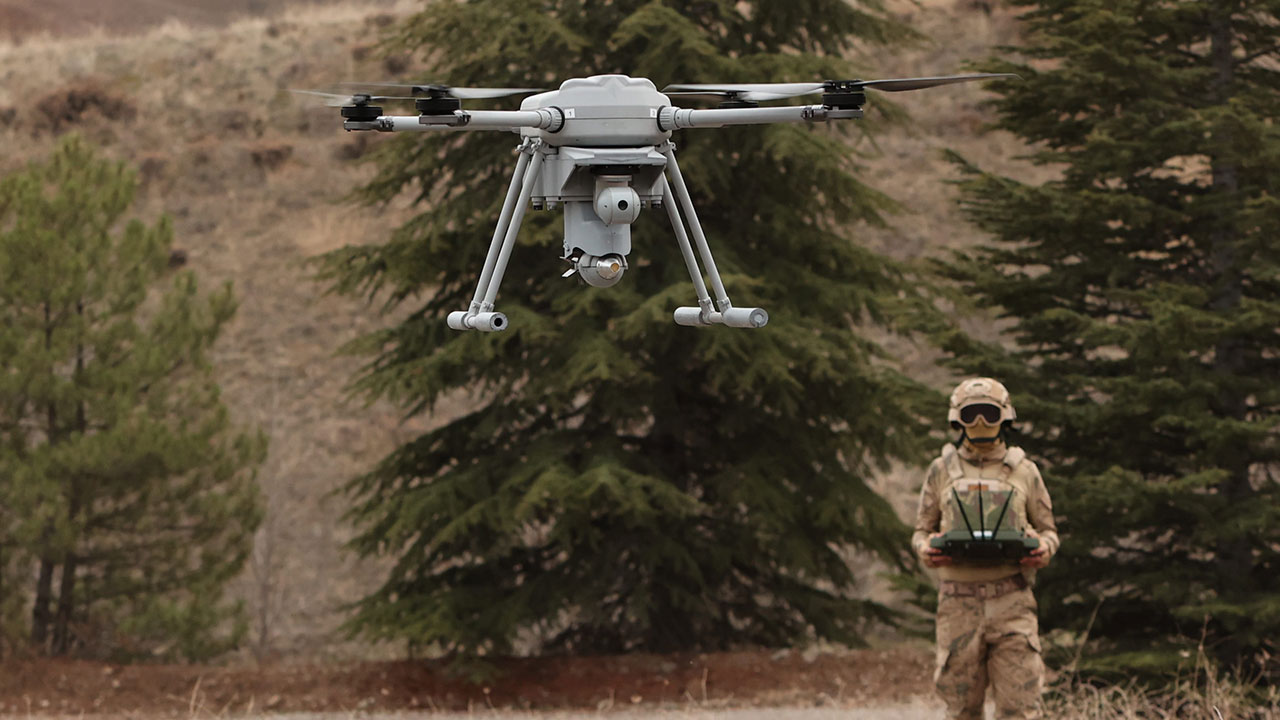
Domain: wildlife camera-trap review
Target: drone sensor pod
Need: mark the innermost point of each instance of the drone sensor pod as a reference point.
(603, 271)
(616, 201)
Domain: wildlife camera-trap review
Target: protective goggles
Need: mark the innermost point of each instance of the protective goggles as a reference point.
(969, 414)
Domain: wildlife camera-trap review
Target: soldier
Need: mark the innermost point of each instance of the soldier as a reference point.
(987, 629)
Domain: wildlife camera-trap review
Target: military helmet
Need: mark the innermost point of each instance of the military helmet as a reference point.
(980, 391)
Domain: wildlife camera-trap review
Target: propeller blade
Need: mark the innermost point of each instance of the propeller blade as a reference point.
(699, 95)
(460, 93)
(928, 82)
(486, 93)
(780, 90)
(339, 100)
(722, 96)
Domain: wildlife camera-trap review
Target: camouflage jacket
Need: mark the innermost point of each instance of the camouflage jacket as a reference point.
(1031, 506)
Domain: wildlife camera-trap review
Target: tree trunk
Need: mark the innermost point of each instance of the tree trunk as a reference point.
(67, 586)
(1236, 557)
(40, 614)
(66, 606)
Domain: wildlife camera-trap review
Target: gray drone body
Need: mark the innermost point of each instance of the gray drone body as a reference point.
(600, 148)
(602, 111)
(603, 166)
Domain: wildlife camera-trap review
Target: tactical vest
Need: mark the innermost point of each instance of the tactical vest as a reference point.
(980, 499)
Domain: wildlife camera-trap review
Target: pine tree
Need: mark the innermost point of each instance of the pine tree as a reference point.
(1143, 293)
(129, 499)
(620, 482)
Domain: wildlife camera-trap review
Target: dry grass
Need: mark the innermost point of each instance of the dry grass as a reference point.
(1211, 699)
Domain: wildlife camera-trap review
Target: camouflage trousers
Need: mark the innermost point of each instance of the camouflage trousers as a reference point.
(989, 639)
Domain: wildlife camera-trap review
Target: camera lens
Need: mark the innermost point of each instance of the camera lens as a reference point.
(623, 205)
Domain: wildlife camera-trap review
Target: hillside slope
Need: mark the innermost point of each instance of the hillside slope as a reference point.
(254, 180)
(21, 19)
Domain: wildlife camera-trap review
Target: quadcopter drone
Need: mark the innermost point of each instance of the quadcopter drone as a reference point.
(601, 147)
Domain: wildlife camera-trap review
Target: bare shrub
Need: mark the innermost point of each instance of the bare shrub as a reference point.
(355, 148)
(360, 53)
(270, 156)
(396, 64)
(72, 105)
(280, 27)
(152, 168)
(228, 121)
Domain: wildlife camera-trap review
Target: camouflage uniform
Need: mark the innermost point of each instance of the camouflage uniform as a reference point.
(987, 631)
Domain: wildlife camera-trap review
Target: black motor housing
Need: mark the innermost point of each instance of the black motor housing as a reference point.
(361, 113)
(437, 105)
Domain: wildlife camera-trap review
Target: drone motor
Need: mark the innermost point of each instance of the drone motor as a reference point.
(437, 105)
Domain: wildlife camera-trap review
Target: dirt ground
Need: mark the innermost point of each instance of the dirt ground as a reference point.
(646, 683)
(906, 711)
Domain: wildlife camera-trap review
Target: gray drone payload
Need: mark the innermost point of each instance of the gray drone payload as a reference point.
(603, 191)
(602, 166)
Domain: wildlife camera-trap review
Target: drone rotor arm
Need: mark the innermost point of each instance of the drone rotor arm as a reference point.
(550, 119)
(674, 118)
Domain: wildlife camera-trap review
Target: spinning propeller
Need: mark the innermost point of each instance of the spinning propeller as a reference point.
(459, 93)
(437, 99)
(836, 93)
(429, 98)
(355, 106)
(338, 100)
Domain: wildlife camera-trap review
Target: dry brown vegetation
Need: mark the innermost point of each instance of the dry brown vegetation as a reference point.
(254, 179)
(20, 19)
(742, 679)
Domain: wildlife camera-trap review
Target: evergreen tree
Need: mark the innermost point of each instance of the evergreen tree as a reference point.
(129, 499)
(620, 482)
(1143, 292)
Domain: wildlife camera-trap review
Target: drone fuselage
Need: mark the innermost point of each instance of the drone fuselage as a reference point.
(603, 165)
(602, 111)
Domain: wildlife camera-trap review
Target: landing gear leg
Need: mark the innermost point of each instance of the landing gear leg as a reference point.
(480, 315)
(727, 314)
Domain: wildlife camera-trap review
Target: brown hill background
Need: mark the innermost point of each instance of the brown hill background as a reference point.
(194, 94)
(21, 19)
